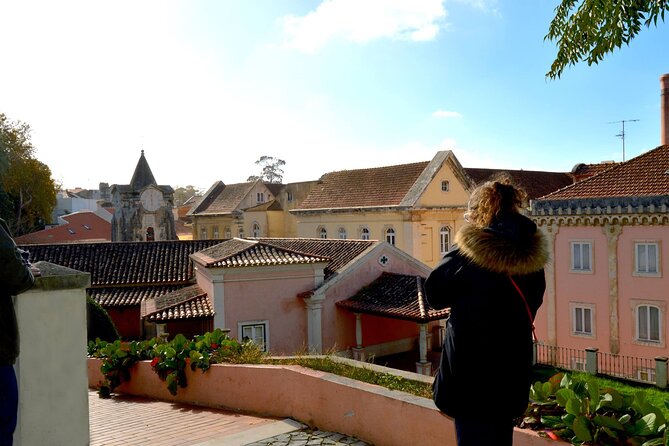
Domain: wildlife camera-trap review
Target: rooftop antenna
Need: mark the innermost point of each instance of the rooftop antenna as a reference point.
(621, 135)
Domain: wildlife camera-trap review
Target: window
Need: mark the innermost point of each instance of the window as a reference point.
(256, 331)
(241, 232)
(290, 196)
(322, 232)
(150, 235)
(581, 256)
(646, 374)
(227, 232)
(390, 236)
(203, 233)
(578, 364)
(444, 239)
(215, 231)
(648, 323)
(260, 197)
(341, 233)
(582, 320)
(445, 186)
(364, 233)
(256, 229)
(646, 258)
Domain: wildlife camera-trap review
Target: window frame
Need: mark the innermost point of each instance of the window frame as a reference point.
(572, 257)
(203, 233)
(445, 186)
(322, 232)
(658, 267)
(227, 232)
(444, 230)
(637, 318)
(342, 234)
(260, 197)
(390, 235)
(255, 229)
(573, 310)
(365, 233)
(215, 232)
(256, 323)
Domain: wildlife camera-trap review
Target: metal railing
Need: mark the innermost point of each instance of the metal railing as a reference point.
(644, 370)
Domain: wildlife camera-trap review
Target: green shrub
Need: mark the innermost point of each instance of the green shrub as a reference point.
(98, 323)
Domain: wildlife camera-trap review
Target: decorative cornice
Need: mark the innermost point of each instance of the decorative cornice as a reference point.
(656, 219)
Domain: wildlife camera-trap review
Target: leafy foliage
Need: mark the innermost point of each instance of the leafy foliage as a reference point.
(27, 191)
(587, 30)
(168, 359)
(580, 411)
(183, 193)
(99, 323)
(271, 171)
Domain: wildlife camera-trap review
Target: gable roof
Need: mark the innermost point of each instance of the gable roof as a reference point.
(222, 198)
(241, 253)
(186, 303)
(83, 226)
(582, 171)
(396, 296)
(339, 252)
(123, 296)
(126, 263)
(535, 183)
(375, 187)
(646, 175)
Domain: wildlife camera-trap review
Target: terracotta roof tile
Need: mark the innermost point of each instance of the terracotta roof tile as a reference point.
(127, 296)
(340, 252)
(84, 226)
(645, 175)
(381, 186)
(535, 183)
(186, 303)
(126, 263)
(582, 171)
(240, 253)
(223, 198)
(395, 296)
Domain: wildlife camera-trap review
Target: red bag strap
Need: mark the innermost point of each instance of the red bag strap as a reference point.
(527, 307)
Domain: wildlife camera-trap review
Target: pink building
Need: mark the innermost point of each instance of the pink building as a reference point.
(609, 234)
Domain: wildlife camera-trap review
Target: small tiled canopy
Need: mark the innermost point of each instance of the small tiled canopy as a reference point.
(394, 296)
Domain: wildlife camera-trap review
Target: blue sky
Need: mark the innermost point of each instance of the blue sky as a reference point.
(207, 87)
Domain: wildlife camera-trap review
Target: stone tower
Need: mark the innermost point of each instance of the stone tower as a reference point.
(142, 209)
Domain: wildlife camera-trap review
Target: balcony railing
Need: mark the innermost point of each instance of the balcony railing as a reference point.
(643, 370)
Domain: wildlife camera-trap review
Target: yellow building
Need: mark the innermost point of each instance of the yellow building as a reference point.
(417, 207)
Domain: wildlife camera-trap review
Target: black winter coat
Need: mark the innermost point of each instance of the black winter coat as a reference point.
(486, 360)
(15, 277)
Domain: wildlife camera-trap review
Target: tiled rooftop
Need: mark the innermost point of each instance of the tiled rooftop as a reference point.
(381, 186)
(396, 296)
(223, 198)
(645, 175)
(535, 183)
(128, 296)
(126, 263)
(238, 253)
(186, 303)
(340, 252)
(84, 226)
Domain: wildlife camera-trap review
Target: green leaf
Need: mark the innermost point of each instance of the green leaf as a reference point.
(645, 426)
(654, 442)
(582, 429)
(574, 406)
(609, 422)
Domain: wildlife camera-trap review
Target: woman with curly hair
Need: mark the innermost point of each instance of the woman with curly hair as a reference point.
(493, 281)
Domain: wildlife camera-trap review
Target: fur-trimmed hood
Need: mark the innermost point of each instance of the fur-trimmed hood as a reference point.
(511, 245)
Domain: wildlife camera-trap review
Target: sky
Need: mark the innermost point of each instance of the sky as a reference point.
(206, 88)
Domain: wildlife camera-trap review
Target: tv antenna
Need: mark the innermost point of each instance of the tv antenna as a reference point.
(621, 135)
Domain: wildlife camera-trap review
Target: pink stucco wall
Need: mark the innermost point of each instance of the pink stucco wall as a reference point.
(594, 288)
(319, 399)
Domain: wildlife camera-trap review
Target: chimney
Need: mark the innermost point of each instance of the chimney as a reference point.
(664, 109)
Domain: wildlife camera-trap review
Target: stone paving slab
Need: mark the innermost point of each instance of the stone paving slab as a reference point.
(310, 438)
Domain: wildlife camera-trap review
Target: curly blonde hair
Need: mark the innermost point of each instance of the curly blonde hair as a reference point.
(494, 198)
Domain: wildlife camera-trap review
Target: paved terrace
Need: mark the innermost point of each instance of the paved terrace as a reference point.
(129, 420)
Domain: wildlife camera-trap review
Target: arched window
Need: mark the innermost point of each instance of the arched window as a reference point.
(390, 236)
(444, 239)
(648, 323)
(203, 233)
(445, 186)
(341, 233)
(241, 232)
(364, 233)
(322, 232)
(256, 229)
(215, 231)
(227, 232)
(150, 235)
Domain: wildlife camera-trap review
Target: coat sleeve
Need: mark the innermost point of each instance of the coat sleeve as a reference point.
(442, 282)
(15, 275)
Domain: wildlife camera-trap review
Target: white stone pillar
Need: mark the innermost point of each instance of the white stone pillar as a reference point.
(423, 366)
(358, 351)
(51, 368)
(314, 324)
(550, 304)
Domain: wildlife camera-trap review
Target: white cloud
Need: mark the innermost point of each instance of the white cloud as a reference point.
(364, 21)
(446, 114)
